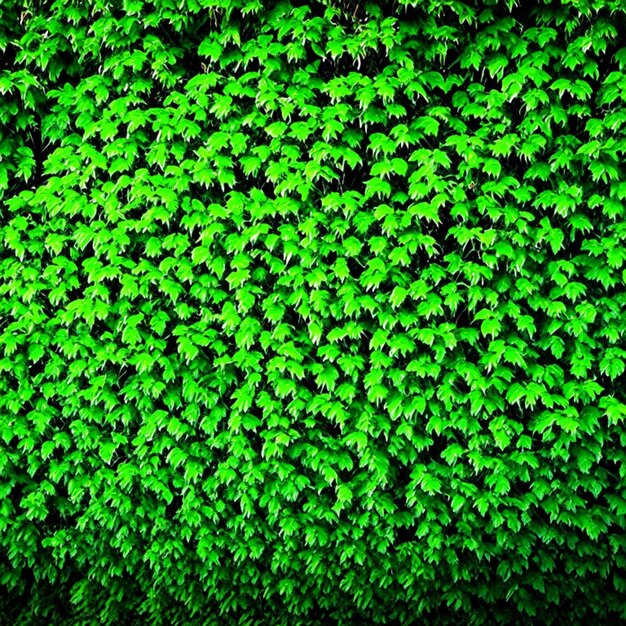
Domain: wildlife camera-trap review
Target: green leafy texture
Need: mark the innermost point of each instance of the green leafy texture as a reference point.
(312, 313)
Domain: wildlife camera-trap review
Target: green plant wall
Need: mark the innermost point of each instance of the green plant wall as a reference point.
(312, 312)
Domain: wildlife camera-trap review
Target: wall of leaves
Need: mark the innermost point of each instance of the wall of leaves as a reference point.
(312, 312)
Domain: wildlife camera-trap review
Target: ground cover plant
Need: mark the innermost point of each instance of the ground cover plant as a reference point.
(312, 312)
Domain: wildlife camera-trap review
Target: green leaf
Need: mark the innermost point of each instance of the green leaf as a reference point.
(398, 296)
(490, 327)
(35, 352)
(107, 450)
(428, 125)
(357, 440)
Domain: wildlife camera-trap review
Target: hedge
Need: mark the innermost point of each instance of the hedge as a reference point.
(312, 312)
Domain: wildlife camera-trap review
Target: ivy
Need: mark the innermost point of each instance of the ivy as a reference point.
(312, 313)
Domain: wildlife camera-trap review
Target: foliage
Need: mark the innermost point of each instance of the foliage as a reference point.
(312, 312)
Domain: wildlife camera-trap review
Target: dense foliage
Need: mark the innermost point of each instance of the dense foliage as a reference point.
(312, 312)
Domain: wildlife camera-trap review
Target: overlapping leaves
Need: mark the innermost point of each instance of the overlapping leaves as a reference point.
(313, 307)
